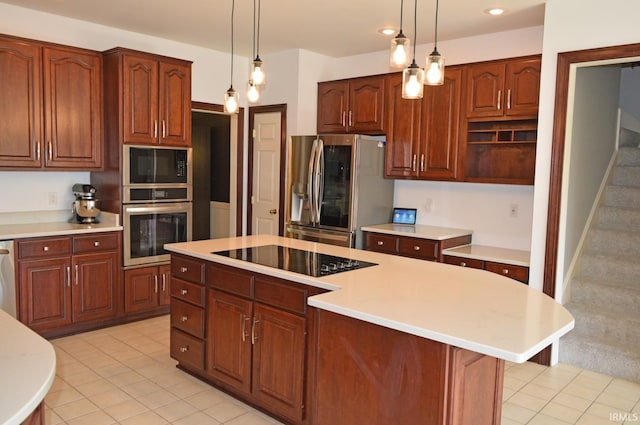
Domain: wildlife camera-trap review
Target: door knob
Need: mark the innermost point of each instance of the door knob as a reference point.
(273, 211)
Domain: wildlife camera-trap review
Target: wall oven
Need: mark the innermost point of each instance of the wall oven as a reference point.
(157, 195)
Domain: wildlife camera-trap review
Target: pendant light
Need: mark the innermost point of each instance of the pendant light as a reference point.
(400, 46)
(435, 61)
(231, 97)
(253, 92)
(413, 75)
(257, 73)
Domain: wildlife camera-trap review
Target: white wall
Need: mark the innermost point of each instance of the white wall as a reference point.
(629, 89)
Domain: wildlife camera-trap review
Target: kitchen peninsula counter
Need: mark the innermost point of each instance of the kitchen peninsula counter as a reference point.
(27, 367)
(471, 309)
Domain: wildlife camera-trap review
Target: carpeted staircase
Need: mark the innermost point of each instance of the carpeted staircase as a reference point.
(605, 290)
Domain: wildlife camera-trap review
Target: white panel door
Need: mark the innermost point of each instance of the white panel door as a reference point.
(266, 173)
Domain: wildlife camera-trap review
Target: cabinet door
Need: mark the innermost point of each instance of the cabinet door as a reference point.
(21, 123)
(94, 286)
(278, 360)
(366, 105)
(175, 104)
(45, 293)
(332, 106)
(403, 131)
(485, 90)
(440, 124)
(164, 290)
(229, 340)
(73, 108)
(140, 86)
(140, 289)
(523, 87)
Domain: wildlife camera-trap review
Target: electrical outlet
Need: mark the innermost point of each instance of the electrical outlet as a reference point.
(513, 210)
(53, 199)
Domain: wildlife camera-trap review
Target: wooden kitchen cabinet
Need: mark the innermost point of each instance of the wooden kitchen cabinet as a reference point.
(54, 119)
(67, 281)
(519, 273)
(352, 106)
(507, 88)
(148, 98)
(409, 246)
(147, 288)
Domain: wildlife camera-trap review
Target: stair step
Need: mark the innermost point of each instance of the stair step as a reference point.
(623, 298)
(629, 156)
(612, 242)
(622, 196)
(604, 324)
(626, 176)
(608, 267)
(618, 218)
(600, 356)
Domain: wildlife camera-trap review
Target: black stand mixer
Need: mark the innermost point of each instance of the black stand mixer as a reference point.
(84, 207)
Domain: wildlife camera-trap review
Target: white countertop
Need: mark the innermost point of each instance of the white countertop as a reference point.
(491, 253)
(468, 308)
(51, 223)
(27, 370)
(418, 230)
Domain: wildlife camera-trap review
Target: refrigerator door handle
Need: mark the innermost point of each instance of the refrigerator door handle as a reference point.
(311, 181)
(320, 179)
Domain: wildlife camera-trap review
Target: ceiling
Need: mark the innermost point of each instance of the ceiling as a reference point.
(331, 27)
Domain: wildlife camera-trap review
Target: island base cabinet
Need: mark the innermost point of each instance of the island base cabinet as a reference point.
(387, 377)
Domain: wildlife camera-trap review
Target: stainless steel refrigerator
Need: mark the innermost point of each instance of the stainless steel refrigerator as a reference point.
(335, 185)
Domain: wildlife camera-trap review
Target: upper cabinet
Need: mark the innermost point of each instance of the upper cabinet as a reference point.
(509, 88)
(352, 106)
(150, 96)
(51, 107)
(422, 135)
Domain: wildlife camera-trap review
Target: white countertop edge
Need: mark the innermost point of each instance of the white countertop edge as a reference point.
(421, 231)
(61, 232)
(466, 251)
(38, 397)
(445, 339)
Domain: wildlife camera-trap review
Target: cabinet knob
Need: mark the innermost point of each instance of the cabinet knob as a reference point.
(505, 271)
(184, 318)
(96, 244)
(184, 292)
(416, 248)
(183, 269)
(463, 264)
(184, 349)
(380, 243)
(45, 248)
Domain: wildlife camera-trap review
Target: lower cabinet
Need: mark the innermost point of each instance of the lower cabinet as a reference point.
(407, 246)
(519, 273)
(146, 288)
(64, 281)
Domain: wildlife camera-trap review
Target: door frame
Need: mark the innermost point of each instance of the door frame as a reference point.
(565, 62)
(253, 110)
(202, 106)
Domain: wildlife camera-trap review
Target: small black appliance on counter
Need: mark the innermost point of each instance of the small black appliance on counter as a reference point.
(84, 208)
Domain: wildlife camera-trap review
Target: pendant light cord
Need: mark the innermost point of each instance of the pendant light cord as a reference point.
(233, 7)
(253, 51)
(258, 37)
(435, 44)
(415, 28)
(401, 13)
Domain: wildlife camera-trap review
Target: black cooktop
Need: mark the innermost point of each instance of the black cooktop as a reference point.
(295, 260)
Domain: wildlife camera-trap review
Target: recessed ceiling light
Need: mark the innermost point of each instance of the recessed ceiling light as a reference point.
(387, 31)
(496, 11)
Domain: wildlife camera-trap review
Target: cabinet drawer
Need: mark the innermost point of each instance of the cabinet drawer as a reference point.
(281, 295)
(382, 243)
(419, 248)
(514, 272)
(187, 317)
(229, 280)
(49, 247)
(95, 243)
(187, 269)
(187, 291)
(186, 349)
(463, 262)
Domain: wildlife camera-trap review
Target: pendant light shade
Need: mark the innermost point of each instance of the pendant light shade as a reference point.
(435, 61)
(400, 46)
(253, 92)
(413, 75)
(257, 73)
(231, 98)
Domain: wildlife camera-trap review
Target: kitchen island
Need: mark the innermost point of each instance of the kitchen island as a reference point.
(403, 341)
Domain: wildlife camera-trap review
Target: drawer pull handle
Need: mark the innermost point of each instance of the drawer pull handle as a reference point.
(184, 292)
(505, 271)
(463, 264)
(184, 349)
(416, 248)
(96, 244)
(380, 243)
(183, 269)
(184, 318)
(45, 248)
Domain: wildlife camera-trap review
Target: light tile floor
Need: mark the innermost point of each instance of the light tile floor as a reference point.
(123, 375)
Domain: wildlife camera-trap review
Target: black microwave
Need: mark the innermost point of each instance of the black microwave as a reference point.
(156, 174)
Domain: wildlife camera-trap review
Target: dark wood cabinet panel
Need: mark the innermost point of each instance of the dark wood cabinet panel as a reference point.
(140, 95)
(94, 290)
(21, 127)
(140, 289)
(381, 242)
(485, 87)
(523, 81)
(164, 290)
(463, 262)
(187, 349)
(423, 249)
(352, 106)
(409, 246)
(519, 273)
(175, 103)
(187, 291)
